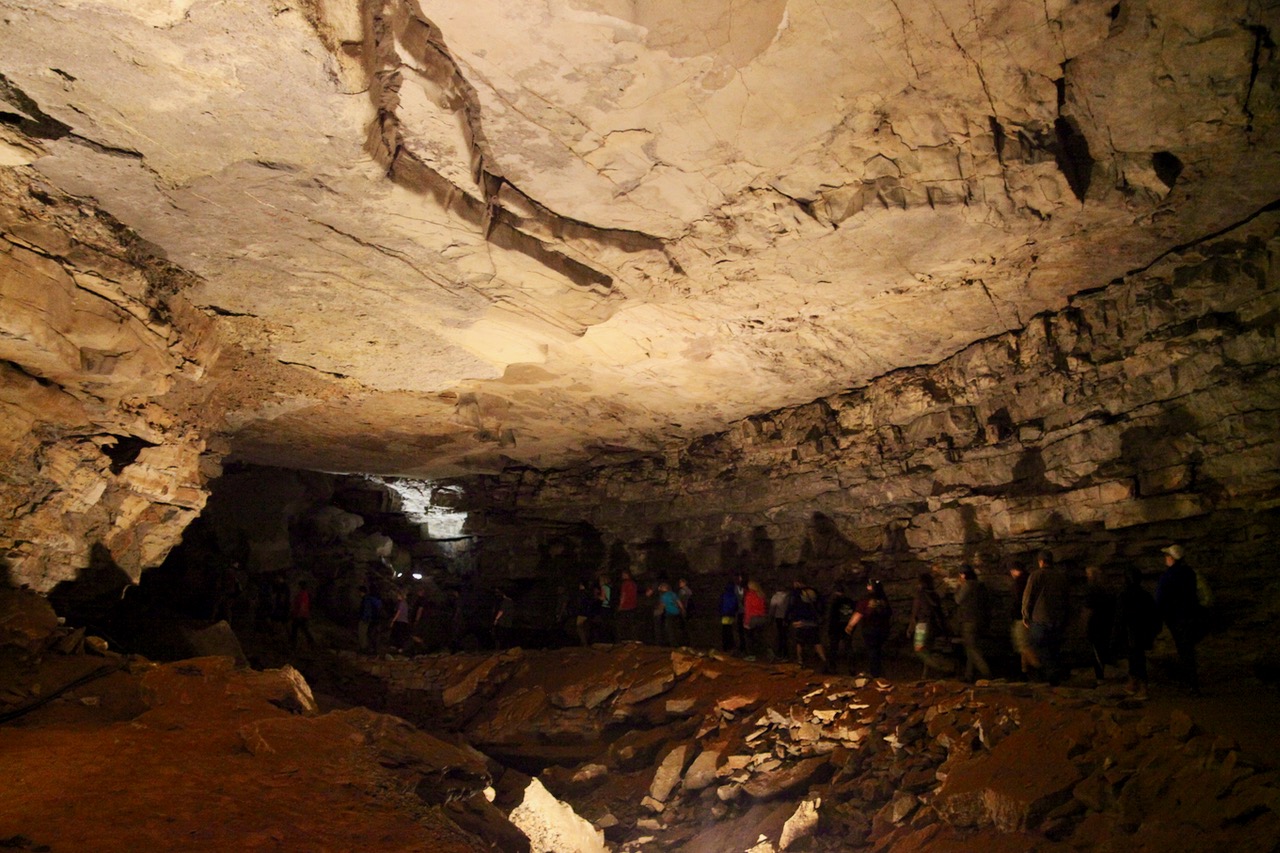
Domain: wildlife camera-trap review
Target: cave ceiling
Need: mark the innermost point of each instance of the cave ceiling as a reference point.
(444, 237)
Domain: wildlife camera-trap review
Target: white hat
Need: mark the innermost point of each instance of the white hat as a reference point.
(1174, 551)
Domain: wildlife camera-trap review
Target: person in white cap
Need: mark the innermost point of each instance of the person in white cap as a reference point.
(1180, 609)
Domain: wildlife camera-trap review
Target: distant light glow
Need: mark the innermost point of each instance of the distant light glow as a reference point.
(417, 503)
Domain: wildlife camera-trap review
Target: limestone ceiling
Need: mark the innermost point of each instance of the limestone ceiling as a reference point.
(547, 231)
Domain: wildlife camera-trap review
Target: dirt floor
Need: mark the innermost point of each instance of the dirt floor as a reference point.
(202, 755)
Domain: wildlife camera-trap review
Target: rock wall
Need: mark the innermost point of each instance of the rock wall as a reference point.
(102, 459)
(1142, 412)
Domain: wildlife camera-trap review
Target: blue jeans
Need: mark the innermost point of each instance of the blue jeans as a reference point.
(1046, 639)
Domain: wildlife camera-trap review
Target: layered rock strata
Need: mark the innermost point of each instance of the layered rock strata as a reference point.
(1144, 412)
(101, 436)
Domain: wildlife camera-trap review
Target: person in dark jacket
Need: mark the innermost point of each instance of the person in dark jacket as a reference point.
(1137, 623)
(1099, 608)
(875, 615)
(1046, 609)
(1179, 607)
(839, 642)
(803, 612)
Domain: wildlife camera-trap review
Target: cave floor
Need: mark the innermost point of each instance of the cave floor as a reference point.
(155, 758)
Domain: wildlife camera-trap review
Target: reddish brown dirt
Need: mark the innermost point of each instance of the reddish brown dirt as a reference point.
(179, 776)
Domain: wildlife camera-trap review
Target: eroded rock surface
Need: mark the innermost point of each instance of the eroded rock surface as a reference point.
(554, 231)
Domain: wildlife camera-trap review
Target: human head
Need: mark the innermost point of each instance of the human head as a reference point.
(1093, 574)
(876, 589)
(1173, 553)
(926, 580)
(967, 573)
(1044, 559)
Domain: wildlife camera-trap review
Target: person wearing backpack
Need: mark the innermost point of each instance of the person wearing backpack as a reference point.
(875, 615)
(1137, 624)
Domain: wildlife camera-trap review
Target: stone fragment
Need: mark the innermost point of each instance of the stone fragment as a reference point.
(765, 786)
(682, 664)
(1181, 726)
(589, 773)
(653, 805)
(647, 689)
(702, 772)
(667, 776)
(553, 826)
(801, 824)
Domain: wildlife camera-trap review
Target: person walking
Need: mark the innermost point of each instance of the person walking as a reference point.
(971, 614)
(1179, 606)
(628, 602)
(875, 616)
(928, 627)
(1046, 609)
(839, 642)
(1100, 612)
(755, 619)
(778, 612)
(1136, 627)
(503, 619)
(366, 625)
(300, 617)
(1019, 636)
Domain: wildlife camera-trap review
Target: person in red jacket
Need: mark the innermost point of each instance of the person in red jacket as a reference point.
(755, 619)
(300, 617)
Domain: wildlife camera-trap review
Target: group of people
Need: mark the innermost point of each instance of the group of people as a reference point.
(373, 610)
(800, 624)
(604, 612)
(1124, 624)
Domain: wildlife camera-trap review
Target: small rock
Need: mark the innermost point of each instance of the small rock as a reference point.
(653, 805)
(702, 772)
(588, 773)
(1181, 726)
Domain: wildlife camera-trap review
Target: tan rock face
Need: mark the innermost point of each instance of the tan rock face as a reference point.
(552, 231)
(100, 451)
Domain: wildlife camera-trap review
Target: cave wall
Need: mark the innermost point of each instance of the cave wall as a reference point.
(103, 449)
(1140, 413)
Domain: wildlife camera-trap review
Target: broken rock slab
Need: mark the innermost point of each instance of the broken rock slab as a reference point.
(553, 826)
(1014, 787)
(668, 774)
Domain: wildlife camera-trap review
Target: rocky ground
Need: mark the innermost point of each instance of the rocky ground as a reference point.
(656, 748)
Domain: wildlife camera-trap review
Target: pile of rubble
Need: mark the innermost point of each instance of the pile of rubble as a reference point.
(625, 748)
(701, 752)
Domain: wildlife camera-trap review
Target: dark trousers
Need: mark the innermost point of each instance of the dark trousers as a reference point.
(1184, 640)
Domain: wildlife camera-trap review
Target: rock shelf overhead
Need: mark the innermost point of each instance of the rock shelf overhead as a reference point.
(466, 235)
